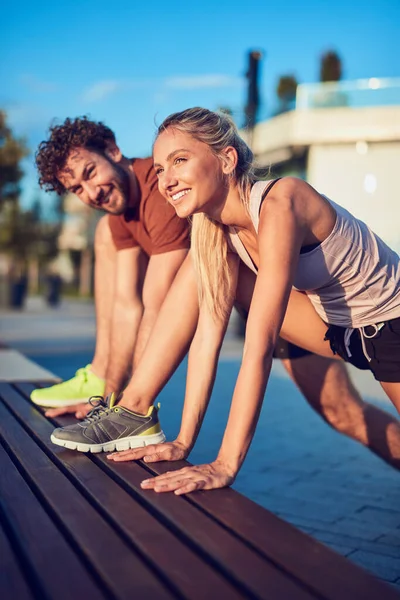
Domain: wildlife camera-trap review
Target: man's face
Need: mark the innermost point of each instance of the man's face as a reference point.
(97, 180)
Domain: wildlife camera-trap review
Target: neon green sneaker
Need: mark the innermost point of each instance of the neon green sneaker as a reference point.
(76, 390)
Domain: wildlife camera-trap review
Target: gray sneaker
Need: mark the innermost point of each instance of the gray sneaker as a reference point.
(108, 427)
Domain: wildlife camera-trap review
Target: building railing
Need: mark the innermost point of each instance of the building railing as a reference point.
(359, 93)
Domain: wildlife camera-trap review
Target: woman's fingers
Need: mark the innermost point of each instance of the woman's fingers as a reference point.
(152, 453)
(186, 480)
(133, 453)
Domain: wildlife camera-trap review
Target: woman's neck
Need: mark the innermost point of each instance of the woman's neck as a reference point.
(232, 212)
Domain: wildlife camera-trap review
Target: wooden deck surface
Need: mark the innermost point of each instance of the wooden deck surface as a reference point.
(76, 526)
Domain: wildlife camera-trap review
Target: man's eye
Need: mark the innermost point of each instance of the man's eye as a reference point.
(90, 171)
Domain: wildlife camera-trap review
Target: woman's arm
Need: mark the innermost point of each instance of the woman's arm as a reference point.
(161, 357)
(281, 232)
(202, 364)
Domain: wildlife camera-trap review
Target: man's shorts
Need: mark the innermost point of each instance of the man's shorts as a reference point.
(373, 348)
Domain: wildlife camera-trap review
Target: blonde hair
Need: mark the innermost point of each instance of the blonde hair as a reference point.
(209, 245)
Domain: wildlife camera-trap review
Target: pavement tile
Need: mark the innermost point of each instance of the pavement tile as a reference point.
(343, 550)
(384, 567)
(365, 530)
(391, 539)
(343, 500)
(375, 547)
(389, 518)
(326, 513)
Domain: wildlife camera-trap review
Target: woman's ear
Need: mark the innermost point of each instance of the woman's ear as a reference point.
(113, 152)
(229, 160)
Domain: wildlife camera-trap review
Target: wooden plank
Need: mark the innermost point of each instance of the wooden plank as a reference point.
(113, 560)
(250, 572)
(323, 570)
(12, 579)
(316, 565)
(50, 562)
(188, 573)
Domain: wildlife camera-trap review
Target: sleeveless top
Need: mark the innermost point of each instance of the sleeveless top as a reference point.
(352, 278)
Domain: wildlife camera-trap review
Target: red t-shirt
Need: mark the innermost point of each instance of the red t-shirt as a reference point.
(153, 223)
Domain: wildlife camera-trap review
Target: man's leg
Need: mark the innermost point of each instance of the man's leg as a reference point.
(327, 387)
(68, 396)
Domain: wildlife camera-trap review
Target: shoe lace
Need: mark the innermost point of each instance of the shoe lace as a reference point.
(100, 408)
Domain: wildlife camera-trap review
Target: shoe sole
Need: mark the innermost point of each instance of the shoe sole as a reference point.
(135, 441)
(60, 403)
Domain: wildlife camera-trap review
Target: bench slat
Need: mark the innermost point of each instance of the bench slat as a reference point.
(110, 557)
(323, 570)
(244, 566)
(44, 551)
(185, 570)
(12, 580)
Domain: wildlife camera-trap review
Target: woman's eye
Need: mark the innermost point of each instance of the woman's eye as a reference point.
(179, 160)
(158, 172)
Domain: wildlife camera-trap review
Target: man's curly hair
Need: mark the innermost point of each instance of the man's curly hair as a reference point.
(52, 154)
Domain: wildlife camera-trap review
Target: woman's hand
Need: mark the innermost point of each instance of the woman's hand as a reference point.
(153, 453)
(200, 477)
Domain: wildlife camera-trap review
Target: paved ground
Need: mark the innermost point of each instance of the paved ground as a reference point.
(299, 468)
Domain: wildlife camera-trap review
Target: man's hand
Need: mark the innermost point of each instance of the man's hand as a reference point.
(190, 479)
(80, 410)
(153, 453)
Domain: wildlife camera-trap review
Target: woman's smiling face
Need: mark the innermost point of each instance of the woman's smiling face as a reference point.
(189, 175)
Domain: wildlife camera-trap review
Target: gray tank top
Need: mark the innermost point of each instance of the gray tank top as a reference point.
(352, 278)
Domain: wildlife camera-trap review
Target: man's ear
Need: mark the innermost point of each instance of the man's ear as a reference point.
(229, 160)
(113, 152)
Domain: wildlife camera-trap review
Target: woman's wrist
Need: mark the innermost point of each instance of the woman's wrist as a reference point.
(186, 442)
(229, 465)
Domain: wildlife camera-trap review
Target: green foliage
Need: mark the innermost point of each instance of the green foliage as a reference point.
(12, 151)
(23, 233)
(331, 67)
(286, 92)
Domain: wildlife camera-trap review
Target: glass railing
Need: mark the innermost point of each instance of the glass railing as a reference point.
(362, 92)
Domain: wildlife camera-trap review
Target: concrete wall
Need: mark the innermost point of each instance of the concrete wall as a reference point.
(364, 178)
(353, 157)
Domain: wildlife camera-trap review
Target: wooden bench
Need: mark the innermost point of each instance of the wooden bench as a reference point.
(76, 526)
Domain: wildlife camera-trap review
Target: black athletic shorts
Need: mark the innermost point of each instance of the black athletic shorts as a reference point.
(378, 350)
(283, 349)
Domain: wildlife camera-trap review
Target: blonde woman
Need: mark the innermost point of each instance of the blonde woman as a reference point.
(321, 278)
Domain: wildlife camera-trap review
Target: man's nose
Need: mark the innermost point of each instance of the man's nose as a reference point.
(91, 191)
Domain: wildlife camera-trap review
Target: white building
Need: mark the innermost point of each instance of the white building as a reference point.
(344, 139)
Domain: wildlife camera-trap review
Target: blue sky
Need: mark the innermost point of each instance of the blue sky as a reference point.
(131, 65)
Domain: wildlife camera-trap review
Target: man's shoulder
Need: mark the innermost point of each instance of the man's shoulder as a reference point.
(144, 171)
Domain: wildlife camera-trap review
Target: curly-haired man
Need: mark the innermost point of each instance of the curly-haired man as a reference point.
(139, 247)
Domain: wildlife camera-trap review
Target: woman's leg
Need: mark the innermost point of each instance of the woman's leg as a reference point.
(327, 387)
